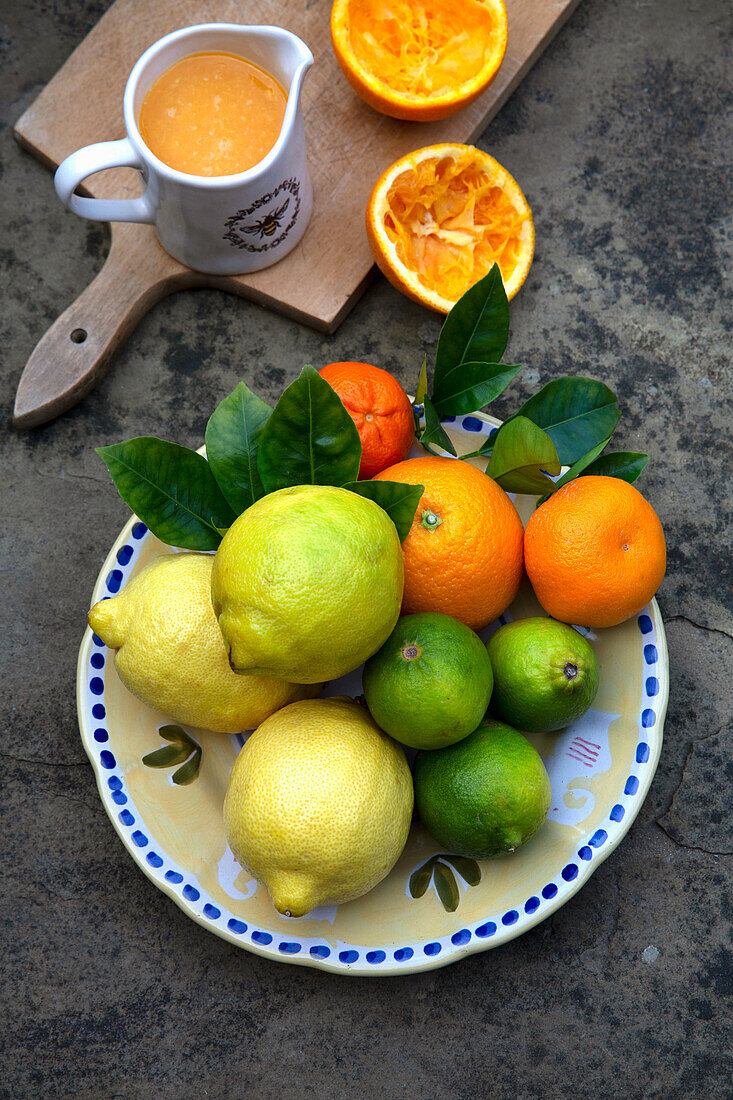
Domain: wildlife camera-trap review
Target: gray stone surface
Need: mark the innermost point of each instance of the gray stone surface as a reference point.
(619, 139)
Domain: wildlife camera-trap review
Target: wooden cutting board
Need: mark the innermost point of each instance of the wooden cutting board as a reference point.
(349, 145)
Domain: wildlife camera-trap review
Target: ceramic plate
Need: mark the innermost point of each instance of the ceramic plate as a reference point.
(600, 769)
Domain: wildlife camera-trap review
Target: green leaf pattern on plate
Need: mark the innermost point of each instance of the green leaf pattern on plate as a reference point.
(165, 757)
(439, 870)
(445, 887)
(420, 879)
(182, 748)
(468, 869)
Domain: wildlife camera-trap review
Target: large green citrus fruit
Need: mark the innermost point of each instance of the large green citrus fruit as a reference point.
(484, 796)
(430, 683)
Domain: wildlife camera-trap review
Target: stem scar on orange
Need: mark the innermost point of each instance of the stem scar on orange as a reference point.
(439, 218)
(379, 407)
(463, 555)
(416, 60)
(595, 552)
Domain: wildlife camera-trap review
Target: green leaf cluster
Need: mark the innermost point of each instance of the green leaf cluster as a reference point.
(309, 437)
(251, 449)
(569, 422)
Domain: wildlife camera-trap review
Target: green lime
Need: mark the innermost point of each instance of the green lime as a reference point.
(484, 796)
(430, 683)
(545, 674)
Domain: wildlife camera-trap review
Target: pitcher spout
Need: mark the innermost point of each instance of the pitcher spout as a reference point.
(297, 60)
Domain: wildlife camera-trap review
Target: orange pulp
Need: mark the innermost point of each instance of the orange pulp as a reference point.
(422, 49)
(212, 114)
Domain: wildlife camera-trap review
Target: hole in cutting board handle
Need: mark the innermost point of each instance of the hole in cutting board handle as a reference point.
(79, 335)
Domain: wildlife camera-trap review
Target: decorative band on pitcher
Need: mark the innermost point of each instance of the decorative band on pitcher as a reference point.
(283, 205)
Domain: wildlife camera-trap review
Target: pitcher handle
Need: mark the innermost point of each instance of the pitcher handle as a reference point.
(95, 158)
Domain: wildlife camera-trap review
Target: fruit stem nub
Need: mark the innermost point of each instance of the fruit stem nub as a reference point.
(430, 520)
(570, 670)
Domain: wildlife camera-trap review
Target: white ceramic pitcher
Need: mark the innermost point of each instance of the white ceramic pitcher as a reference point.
(221, 225)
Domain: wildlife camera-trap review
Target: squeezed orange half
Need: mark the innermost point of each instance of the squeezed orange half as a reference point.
(419, 59)
(439, 218)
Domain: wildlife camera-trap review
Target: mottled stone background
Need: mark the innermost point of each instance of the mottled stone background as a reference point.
(620, 137)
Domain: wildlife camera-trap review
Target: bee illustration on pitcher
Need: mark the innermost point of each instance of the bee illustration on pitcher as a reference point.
(267, 228)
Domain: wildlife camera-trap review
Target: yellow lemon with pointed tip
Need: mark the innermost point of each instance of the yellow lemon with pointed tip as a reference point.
(319, 804)
(170, 652)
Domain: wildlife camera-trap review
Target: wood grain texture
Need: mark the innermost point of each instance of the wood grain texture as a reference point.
(349, 145)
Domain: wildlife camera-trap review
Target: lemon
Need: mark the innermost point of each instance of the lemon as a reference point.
(307, 583)
(545, 674)
(170, 652)
(484, 796)
(319, 804)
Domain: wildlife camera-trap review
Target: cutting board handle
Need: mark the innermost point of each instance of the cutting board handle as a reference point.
(76, 351)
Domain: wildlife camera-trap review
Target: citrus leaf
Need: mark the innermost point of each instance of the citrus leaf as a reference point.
(165, 757)
(529, 480)
(476, 330)
(626, 465)
(420, 879)
(468, 869)
(522, 457)
(469, 386)
(399, 501)
(177, 736)
(577, 413)
(447, 890)
(232, 438)
(575, 470)
(421, 390)
(189, 771)
(310, 439)
(433, 434)
(171, 489)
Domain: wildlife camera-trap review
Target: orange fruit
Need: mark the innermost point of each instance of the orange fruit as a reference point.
(595, 552)
(463, 554)
(379, 407)
(441, 217)
(419, 61)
